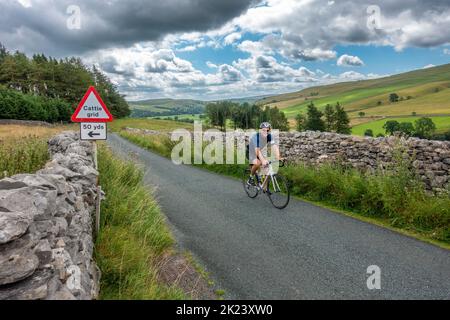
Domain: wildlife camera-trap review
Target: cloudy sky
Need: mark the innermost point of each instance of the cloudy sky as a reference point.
(211, 49)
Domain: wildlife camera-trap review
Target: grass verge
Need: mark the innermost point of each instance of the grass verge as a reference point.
(133, 235)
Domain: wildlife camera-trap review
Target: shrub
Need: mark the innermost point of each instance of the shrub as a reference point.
(16, 105)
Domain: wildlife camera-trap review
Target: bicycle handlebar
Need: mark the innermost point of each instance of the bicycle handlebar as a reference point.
(282, 163)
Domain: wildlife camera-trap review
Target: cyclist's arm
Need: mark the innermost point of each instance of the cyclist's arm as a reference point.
(276, 151)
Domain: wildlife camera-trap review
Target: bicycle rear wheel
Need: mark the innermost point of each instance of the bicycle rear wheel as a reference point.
(278, 191)
(250, 189)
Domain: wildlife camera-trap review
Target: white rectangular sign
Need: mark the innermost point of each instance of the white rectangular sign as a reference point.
(93, 130)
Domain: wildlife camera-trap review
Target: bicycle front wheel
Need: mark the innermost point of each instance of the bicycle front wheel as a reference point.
(278, 191)
(250, 188)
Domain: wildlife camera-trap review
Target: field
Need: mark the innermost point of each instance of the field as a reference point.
(425, 92)
(23, 149)
(166, 107)
(150, 124)
(442, 125)
(195, 117)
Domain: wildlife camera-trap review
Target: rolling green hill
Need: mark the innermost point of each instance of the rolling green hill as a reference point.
(423, 92)
(165, 107)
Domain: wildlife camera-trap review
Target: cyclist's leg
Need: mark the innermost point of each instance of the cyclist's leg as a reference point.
(256, 164)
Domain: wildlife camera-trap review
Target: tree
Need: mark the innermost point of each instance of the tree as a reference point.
(276, 117)
(361, 114)
(300, 121)
(424, 128)
(314, 120)
(393, 97)
(391, 126)
(368, 133)
(330, 116)
(65, 80)
(407, 128)
(342, 122)
(218, 114)
(3, 52)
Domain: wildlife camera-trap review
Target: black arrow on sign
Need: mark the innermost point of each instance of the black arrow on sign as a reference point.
(92, 134)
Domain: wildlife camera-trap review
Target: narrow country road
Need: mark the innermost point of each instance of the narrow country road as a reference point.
(254, 251)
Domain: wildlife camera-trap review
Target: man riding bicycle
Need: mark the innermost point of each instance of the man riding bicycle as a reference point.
(257, 144)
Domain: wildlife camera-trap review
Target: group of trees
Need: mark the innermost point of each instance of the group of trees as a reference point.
(423, 128)
(332, 119)
(46, 84)
(244, 116)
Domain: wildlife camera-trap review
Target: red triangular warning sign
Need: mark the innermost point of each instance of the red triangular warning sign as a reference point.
(92, 109)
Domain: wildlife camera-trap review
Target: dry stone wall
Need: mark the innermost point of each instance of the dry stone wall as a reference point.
(430, 159)
(46, 242)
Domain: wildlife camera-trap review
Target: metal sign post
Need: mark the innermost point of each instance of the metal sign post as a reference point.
(93, 115)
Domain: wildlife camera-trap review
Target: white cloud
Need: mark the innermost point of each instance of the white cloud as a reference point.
(287, 32)
(232, 38)
(349, 61)
(187, 49)
(352, 75)
(429, 66)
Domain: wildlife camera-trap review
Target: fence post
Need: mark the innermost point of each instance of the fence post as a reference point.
(99, 192)
(97, 210)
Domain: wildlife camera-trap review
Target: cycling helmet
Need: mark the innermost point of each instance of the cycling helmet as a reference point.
(265, 125)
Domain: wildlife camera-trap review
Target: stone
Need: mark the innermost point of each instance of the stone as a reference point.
(44, 252)
(10, 184)
(62, 294)
(61, 225)
(18, 200)
(33, 180)
(33, 288)
(16, 264)
(46, 227)
(13, 225)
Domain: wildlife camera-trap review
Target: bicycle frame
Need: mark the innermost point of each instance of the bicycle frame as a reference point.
(270, 174)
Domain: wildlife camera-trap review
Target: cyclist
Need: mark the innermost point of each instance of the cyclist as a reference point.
(258, 143)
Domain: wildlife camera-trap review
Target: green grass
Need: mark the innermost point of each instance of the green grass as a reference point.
(397, 198)
(394, 198)
(195, 117)
(442, 125)
(133, 235)
(343, 98)
(22, 155)
(23, 148)
(151, 124)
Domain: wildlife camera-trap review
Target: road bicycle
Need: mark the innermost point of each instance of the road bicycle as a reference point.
(274, 185)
